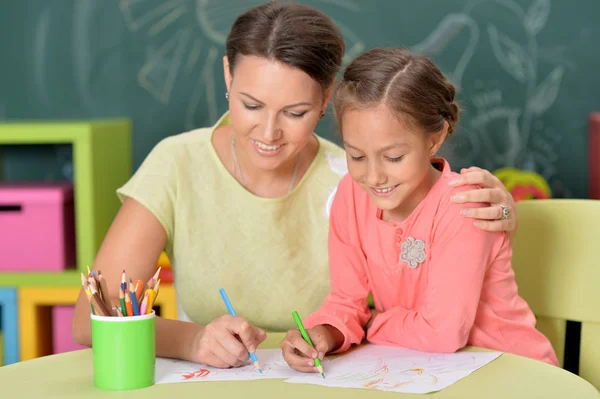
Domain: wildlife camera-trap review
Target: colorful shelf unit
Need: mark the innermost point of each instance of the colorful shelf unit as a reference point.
(10, 333)
(35, 314)
(62, 337)
(101, 163)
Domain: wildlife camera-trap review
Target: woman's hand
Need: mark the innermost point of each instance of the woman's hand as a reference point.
(226, 342)
(300, 355)
(490, 218)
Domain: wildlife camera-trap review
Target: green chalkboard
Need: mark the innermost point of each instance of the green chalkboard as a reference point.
(527, 71)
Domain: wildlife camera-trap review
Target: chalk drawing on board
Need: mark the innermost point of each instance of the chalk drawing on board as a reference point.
(215, 17)
(498, 130)
(82, 13)
(450, 26)
(354, 46)
(511, 55)
(159, 72)
(39, 48)
(546, 93)
(209, 81)
(205, 87)
(536, 16)
(192, 53)
(139, 13)
(167, 20)
(557, 54)
(193, 57)
(487, 99)
(505, 120)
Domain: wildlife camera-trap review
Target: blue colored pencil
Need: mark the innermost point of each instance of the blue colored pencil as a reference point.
(134, 302)
(232, 312)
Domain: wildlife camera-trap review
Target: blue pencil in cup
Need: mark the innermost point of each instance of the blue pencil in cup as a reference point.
(134, 302)
(232, 312)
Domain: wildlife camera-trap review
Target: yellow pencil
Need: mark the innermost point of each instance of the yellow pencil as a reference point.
(151, 298)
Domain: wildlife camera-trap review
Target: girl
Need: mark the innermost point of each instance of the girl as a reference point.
(438, 282)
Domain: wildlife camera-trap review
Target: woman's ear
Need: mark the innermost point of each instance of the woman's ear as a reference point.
(437, 139)
(227, 73)
(328, 94)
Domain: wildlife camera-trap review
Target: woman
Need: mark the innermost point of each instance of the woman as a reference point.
(244, 204)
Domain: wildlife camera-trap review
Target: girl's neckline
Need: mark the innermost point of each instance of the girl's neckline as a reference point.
(441, 163)
(224, 121)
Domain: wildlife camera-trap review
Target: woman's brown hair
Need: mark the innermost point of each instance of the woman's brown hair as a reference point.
(296, 35)
(411, 86)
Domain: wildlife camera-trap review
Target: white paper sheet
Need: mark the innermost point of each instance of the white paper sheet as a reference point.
(271, 362)
(367, 367)
(397, 369)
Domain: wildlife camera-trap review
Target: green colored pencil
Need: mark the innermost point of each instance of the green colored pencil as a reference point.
(122, 300)
(308, 341)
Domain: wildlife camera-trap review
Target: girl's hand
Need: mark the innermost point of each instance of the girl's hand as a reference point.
(493, 192)
(299, 354)
(226, 342)
(374, 313)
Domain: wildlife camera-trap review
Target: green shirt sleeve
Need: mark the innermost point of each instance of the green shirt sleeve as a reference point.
(154, 185)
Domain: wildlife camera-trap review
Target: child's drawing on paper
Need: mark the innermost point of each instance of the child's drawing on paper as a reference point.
(380, 368)
(273, 366)
(268, 368)
(398, 369)
(404, 377)
(276, 366)
(380, 377)
(201, 373)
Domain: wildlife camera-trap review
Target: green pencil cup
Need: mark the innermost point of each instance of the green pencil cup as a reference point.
(124, 350)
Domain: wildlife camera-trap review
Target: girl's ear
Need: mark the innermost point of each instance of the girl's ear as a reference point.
(437, 139)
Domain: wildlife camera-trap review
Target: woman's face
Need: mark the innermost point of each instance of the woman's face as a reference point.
(273, 109)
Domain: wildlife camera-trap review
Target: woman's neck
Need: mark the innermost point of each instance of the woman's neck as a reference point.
(263, 182)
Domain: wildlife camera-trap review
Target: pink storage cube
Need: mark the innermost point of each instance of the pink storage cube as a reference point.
(37, 227)
(62, 340)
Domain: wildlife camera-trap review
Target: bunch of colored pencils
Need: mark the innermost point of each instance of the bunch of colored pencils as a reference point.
(135, 298)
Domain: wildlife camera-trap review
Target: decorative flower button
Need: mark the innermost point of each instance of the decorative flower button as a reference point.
(413, 252)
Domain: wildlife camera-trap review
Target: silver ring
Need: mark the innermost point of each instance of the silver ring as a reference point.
(505, 212)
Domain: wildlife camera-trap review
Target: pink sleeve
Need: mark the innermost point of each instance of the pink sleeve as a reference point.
(346, 307)
(460, 256)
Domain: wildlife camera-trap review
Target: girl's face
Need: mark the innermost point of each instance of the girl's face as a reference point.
(389, 160)
(273, 108)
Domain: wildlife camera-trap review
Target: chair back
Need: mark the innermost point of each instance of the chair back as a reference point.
(557, 268)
